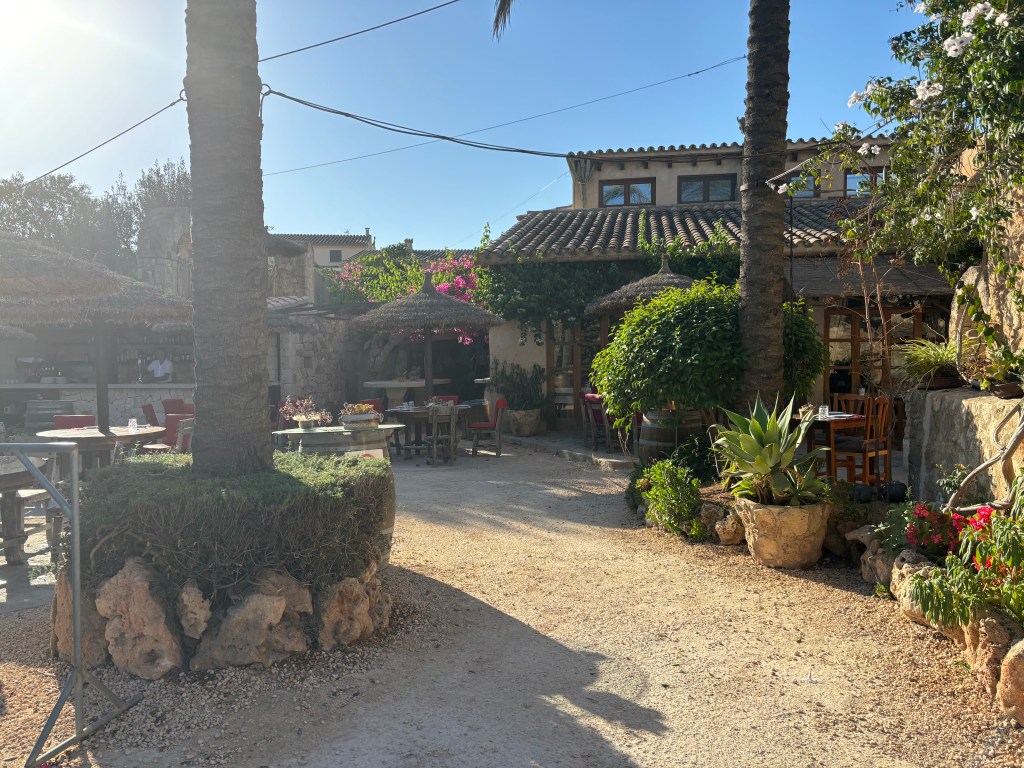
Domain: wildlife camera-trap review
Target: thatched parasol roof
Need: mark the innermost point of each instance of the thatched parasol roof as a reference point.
(428, 310)
(645, 289)
(32, 269)
(10, 333)
(40, 285)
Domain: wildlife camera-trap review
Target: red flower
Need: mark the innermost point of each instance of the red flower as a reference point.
(920, 510)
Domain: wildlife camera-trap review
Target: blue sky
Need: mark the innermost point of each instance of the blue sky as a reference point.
(79, 71)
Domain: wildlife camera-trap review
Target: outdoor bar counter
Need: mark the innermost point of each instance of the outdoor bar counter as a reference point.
(126, 400)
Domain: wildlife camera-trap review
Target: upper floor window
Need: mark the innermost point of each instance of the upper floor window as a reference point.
(627, 192)
(863, 183)
(810, 188)
(707, 189)
(335, 255)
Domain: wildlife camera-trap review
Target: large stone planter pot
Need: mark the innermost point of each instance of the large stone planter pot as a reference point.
(784, 537)
(525, 423)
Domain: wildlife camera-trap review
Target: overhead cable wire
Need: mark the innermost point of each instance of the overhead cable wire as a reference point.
(360, 32)
(177, 101)
(517, 205)
(517, 121)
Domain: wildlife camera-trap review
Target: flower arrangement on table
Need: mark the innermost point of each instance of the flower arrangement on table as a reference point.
(358, 416)
(303, 411)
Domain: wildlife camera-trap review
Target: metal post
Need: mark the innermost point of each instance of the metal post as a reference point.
(79, 675)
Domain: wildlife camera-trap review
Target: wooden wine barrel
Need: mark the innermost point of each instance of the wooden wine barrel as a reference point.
(660, 432)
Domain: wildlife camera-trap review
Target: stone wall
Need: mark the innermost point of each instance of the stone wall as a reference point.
(164, 257)
(316, 351)
(126, 402)
(951, 427)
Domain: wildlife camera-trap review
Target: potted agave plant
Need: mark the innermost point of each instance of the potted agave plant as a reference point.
(778, 496)
(358, 416)
(304, 413)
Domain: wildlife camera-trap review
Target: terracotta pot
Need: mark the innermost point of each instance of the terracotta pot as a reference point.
(784, 537)
(1007, 390)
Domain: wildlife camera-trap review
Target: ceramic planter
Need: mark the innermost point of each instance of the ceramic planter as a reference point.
(784, 537)
(525, 423)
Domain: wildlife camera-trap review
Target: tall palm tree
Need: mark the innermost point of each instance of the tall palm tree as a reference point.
(762, 243)
(222, 85)
(763, 239)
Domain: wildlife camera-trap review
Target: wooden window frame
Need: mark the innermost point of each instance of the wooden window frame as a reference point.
(626, 183)
(706, 197)
(330, 256)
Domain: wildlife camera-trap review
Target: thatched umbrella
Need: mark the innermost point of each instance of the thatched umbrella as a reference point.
(41, 286)
(645, 289)
(428, 312)
(10, 333)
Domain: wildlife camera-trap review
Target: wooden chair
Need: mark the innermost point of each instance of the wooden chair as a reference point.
(52, 515)
(73, 421)
(872, 448)
(444, 433)
(150, 413)
(183, 442)
(490, 428)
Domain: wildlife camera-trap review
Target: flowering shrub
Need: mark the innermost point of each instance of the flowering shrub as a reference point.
(920, 527)
(357, 409)
(987, 570)
(303, 408)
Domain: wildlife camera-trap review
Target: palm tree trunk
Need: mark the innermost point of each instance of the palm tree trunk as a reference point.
(222, 85)
(762, 243)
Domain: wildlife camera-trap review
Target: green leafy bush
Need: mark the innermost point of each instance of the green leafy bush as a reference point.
(987, 570)
(634, 494)
(673, 499)
(806, 353)
(317, 517)
(697, 452)
(760, 456)
(523, 389)
(682, 347)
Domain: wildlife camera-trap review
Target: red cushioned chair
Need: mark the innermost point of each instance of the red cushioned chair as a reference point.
(173, 405)
(150, 413)
(189, 408)
(490, 428)
(67, 421)
(170, 439)
(593, 409)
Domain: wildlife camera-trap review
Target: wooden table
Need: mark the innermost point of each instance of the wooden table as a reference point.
(14, 477)
(95, 446)
(830, 425)
(395, 388)
(413, 419)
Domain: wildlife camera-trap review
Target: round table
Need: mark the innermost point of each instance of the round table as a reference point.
(372, 441)
(14, 477)
(95, 446)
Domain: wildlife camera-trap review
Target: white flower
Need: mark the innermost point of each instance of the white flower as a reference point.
(935, 17)
(938, 215)
(926, 216)
(913, 222)
(927, 90)
(968, 17)
(865, 148)
(875, 149)
(919, 8)
(954, 46)
(1003, 20)
(842, 125)
(975, 213)
(783, 189)
(855, 98)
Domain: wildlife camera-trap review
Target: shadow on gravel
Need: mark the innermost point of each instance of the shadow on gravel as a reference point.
(488, 690)
(513, 488)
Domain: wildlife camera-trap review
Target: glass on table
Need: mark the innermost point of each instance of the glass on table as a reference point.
(133, 425)
(822, 411)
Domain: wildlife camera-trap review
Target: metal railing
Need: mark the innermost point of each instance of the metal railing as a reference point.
(79, 676)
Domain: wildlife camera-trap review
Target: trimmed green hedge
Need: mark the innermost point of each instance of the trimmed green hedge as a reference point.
(317, 517)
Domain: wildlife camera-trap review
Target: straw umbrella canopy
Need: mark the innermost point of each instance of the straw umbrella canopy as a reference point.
(41, 286)
(10, 333)
(428, 312)
(645, 289)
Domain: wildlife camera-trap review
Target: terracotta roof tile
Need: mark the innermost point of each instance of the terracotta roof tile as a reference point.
(325, 239)
(731, 146)
(593, 233)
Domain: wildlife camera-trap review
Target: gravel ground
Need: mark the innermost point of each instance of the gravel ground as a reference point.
(536, 624)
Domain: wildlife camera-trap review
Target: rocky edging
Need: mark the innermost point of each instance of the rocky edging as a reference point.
(992, 643)
(127, 620)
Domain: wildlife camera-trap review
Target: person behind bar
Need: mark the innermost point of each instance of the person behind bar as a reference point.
(160, 368)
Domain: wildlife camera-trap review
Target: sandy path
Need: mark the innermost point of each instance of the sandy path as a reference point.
(537, 625)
